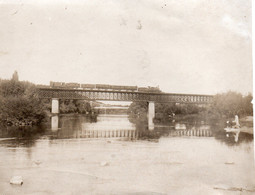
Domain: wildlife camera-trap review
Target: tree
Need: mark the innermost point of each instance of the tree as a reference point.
(247, 105)
(67, 106)
(19, 103)
(138, 111)
(231, 103)
(75, 106)
(12, 88)
(15, 76)
(23, 109)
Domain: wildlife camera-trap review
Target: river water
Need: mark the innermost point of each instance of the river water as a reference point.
(110, 155)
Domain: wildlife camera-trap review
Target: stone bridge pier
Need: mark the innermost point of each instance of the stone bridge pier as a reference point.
(151, 115)
(55, 106)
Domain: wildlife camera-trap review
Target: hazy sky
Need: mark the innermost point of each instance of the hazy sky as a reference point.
(184, 46)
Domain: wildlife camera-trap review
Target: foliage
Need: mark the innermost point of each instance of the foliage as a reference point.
(223, 105)
(231, 103)
(137, 111)
(75, 106)
(19, 103)
(82, 106)
(11, 88)
(67, 106)
(22, 109)
(164, 111)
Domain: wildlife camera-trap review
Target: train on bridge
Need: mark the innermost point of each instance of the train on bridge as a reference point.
(63, 85)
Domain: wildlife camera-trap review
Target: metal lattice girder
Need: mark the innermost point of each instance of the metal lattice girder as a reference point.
(122, 96)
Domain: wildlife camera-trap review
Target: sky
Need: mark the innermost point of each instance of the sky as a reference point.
(182, 46)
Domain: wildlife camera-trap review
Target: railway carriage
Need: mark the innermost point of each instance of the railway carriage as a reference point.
(92, 86)
(88, 86)
(72, 85)
(56, 84)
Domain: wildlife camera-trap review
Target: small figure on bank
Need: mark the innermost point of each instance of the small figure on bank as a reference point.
(233, 128)
(229, 124)
(236, 122)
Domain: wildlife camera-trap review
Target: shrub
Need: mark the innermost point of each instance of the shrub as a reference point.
(20, 104)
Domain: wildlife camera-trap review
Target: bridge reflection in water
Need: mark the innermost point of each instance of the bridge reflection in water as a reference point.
(193, 132)
(135, 134)
(110, 126)
(107, 134)
(55, 123)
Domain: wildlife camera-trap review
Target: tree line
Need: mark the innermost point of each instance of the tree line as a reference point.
(224, 105)
(20, 104)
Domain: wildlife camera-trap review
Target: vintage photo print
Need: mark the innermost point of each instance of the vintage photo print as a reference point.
(120, 97)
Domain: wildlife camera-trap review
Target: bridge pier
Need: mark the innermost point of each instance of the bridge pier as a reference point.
(54, 123)
(151, 115)
(55, 106)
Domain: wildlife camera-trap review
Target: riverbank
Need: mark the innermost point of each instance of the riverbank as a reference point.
(247, 124)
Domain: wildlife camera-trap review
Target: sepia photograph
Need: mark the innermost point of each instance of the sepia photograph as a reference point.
(126, 97)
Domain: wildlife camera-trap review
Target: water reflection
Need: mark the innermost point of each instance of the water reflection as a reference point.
(21, 136)
(107, 134)
(95, 163)
(192, 132)
(109, 122)
(117, 126)
(83, 127)
(180, 126)
(54, 123)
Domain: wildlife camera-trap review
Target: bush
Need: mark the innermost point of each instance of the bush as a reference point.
(231, 103)
(137, 111)
(20, 104)
(18, 110)
(75, 106)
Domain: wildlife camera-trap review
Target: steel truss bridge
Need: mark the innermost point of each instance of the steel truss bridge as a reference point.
(105, 95)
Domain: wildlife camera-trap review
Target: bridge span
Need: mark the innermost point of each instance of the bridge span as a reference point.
(112, 95)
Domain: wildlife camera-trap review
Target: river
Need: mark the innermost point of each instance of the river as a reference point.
(77, 155)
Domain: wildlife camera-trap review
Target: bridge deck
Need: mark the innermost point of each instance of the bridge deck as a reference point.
(122, 96)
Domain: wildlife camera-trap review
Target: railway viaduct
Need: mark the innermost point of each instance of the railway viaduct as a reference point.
(55, 94)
